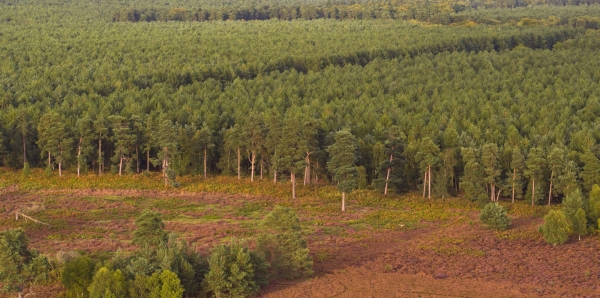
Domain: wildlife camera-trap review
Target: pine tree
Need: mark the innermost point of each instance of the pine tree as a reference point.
(123, 139)
(167, 142)
(53, 139)
(203, 138)
(471, 182)
(342, 154)
(568, 179)
(101, 130)
(517, 166)
(149, 229)
(534, 169)
(254, 135)
(489, 158)
(556, 163)
(427, 157)
(392, 166)
(291, 150)
(591, 170)
(85, 130)
(107, 284)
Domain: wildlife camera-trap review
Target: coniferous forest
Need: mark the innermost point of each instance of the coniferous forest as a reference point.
(486, 100)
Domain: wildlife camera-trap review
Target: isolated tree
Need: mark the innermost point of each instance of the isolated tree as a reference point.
(517, 166)
(254, 134)
(427, 157)
(203, 138)
(556, 163)
(491, 168)
(291, 149)
(555, 228)
(149, 229)
(20, 267)
(534, 168)
(342, 163)
(494, 216)
(579, 223)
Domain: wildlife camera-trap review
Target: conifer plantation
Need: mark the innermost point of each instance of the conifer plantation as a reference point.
(240, 148)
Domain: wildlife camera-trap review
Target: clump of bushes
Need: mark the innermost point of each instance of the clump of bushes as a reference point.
(494, 216)
(572, 219)
(555, 228)
(164, 267)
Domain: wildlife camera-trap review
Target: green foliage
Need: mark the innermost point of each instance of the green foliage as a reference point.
(494, 216)
(471, 181)
(361, 178)
(77, 276)
(571, 204)
(579, 223)
(20, 266)
(593, 205)
(342, 154)
(555, 228)
(231, 273)
(287, 254)
(149, 229)
(108, 284)
(165, 284)
(281, 219)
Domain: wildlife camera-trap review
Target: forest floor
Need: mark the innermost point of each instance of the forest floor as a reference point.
(412, 247)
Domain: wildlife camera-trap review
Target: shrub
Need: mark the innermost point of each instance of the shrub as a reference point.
(150, 229)
(108, 284)
(283, 246)
(281, 219)
(231, 272)
(165, 284)
(494, 216)
(77, 276)
(555, 228)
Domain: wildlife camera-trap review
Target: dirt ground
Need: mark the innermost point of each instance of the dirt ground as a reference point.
(435, 259)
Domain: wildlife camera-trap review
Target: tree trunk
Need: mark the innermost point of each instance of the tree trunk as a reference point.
(239, 163)
(425, 184)
(79, 157)
(307, 169)
(137, 157)
(204, 162)
(120, 163)
(148, 160)
(293, 176)
(387, 178)
(343, 201)
(24, 151)
(60, 162)
(100, 155)
(252, 162)
(532, 191)
(550, 192)
(492, 192)
(275, 176)
(429, 182)
(498, 195)
(261, 166)
(513, 184)
(48, 159)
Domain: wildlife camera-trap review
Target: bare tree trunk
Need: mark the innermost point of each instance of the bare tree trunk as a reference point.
(204, 162)
(24, 151)
(48, 159)
(137, 157)
(498, 195)
(252, 162)
(60, 169)
(425, 183)
(79, 157)
(100, 155)
(293, 176)
(148, 160)
(275, 176)
(550, 192)
(532, 191)
(261, 166)
(513, 184)
(343, 201)
(429, 182)
(492, 192)
(307, 169)
(239, 163)
(387, 178)
(120, 163)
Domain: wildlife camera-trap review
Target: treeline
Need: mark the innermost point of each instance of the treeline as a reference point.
(429, 12)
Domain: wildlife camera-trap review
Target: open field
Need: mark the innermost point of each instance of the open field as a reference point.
(381, 247)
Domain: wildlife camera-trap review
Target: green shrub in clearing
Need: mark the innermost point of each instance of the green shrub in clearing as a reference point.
(494, 216)
(555, 228)
(281, 219)
(233, 272)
